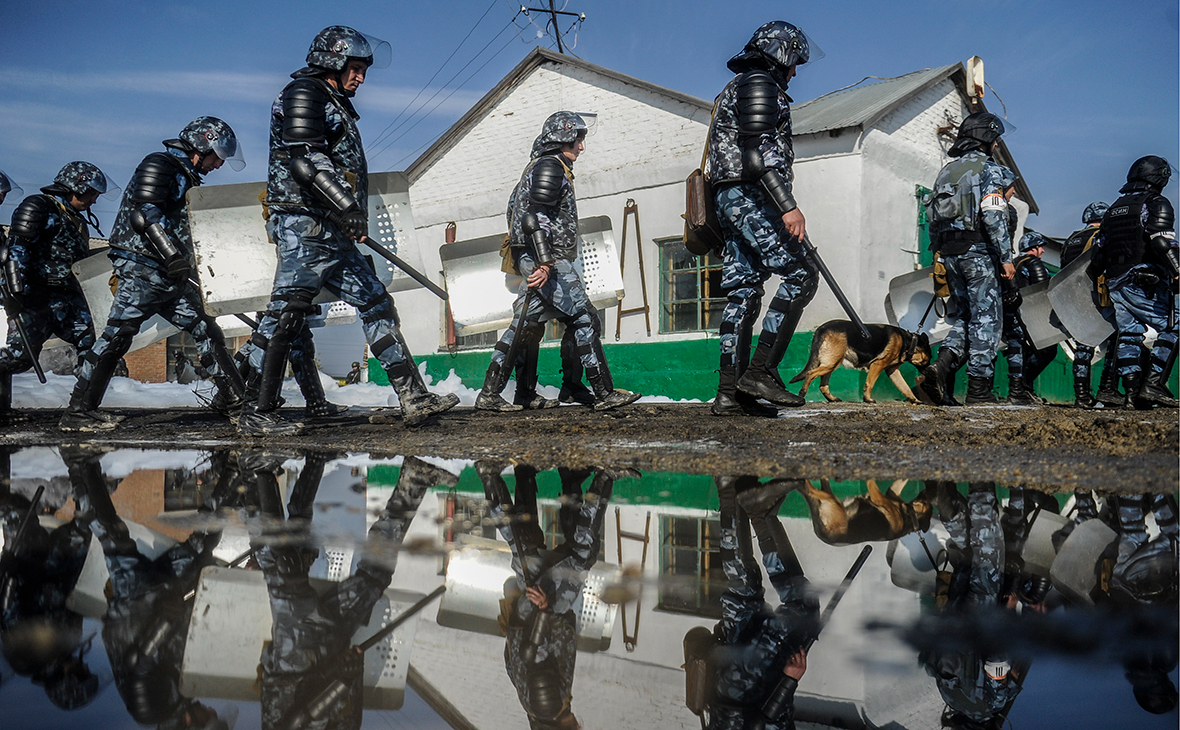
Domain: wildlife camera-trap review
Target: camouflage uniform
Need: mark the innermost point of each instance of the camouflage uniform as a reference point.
(147, 283)
(1025, 362)
(1077, 243)
(756, 242)
(972, 275)
(311, 630)
(53, 299)
(754, 642)
(560, 573)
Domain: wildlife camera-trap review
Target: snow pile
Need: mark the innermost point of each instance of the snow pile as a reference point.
(128, 393)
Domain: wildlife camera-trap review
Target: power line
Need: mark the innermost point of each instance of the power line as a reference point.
(436, 73)
(448, 96)
(436, 93)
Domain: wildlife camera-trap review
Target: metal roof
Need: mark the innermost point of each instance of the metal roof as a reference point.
(863, 105)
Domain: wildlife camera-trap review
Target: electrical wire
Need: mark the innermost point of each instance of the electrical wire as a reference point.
(448, 96)
(436, 73)
(435, 94)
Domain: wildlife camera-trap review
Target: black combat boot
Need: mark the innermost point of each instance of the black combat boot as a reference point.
(260, 417)
(494, 380)
(1018, 395)
(316, 403)
(1081, 392)
(82, 414)
(1108, 383)
(1132, 384)
(1153, 392)
(418, 403)
(606, 396)
(761, 380)
(732, 402)
(938, 385)
(573, 390)
(527, 396)
(979, 390)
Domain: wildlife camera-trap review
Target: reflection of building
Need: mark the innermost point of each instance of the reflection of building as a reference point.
(645, 687)
(861, 155)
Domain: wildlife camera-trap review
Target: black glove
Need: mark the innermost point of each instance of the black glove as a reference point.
(354, 223)
(178, 268)
(14, 304)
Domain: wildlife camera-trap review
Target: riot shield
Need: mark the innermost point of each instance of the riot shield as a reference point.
(910, 296)
(94, 274)
(1074, 298)
(482, 295)
(1040, 322)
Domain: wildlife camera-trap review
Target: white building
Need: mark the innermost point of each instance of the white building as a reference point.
(862, 154)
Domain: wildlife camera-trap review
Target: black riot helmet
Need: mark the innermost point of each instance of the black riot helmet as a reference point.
(979, 131)
(336, 45)
(774, 47)
(1148, 173)
(210, 135)
(1094, 212)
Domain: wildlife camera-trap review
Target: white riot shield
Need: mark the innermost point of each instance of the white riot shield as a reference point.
(1038, 552)
(909, 298)
(231, 621)
(1040, 321)
(909, 562)
(475, 585)
(482, 295)
(1075, 571)
(1075, 299)
(94, 274)
(237, 261)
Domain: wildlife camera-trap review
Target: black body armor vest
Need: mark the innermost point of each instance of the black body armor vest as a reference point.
(1123, 233)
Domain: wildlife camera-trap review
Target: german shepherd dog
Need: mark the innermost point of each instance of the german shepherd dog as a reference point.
(875, 516)
(885, 350)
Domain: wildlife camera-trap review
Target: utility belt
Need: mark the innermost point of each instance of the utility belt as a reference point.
(955, 242)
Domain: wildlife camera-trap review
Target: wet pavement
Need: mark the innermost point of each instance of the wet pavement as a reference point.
(272, 585)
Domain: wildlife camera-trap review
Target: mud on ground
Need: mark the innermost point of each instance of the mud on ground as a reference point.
(1054, 447)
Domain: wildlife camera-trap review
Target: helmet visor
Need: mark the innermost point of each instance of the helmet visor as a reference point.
(588, 122)
(107, 190)
(811, 52)
(227, 147)
(382, 53)
(8, 185)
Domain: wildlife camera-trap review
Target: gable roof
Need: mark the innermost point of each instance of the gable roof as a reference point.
(857, 106)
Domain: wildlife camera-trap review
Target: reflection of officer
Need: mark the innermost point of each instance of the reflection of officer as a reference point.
(1078, 243)
(48, 235)
(968, 229)
(756, 647)
(543, 237)
(1025, 362)
(152, 257)
(317, 192)
(354, 375)
(311, 631)
(42, 639)
(539, 610)
(750, 159)
(1137, 253)
(145, 627)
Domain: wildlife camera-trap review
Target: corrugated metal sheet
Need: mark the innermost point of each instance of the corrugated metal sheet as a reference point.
(853, 107)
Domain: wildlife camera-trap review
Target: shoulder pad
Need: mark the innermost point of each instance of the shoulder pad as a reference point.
(547, 174)
(1036, 271)
(28, 220)
(304, 111)
(1160, 215)
(154, 178)
(757, 103)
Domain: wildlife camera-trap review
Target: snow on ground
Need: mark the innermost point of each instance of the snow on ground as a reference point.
(128, 393)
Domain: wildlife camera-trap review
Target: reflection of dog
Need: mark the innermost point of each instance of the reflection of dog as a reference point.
(886, 349)
(865, 517)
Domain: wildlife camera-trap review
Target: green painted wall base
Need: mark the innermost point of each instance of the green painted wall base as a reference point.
(688, 370)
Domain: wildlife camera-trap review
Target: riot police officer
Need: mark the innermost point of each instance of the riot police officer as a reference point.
(48, 235)
(543, 239)
(750, 159)
(1078, 243)
(968, 228)
(1137, 253)
(317, 193)
(151, 253)
(1025, 362)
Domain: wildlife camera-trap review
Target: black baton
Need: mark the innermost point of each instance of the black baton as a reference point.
(20, 328)
(414, 273)
(823, 270)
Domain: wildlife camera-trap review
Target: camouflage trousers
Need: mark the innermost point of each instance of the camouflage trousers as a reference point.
(315, 254)
(144, 291)
(1083, 355)
(976, 544)
(301, 357)
(1022, 356)
(975, 290)
(562, 297)
(58, 313)
(756, 246)
(1135, 309)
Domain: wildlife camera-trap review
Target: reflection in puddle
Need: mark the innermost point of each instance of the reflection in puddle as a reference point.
(286, 590)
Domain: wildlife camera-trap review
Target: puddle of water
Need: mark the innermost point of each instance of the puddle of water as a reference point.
(234, 587)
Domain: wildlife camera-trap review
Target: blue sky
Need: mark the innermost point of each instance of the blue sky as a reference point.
(1091, 86)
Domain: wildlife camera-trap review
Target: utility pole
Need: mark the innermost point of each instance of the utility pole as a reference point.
(553, 12)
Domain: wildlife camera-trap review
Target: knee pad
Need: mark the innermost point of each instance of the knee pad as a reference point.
(125, 330)
(294, 313)
(379, 309)
(807, 289)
